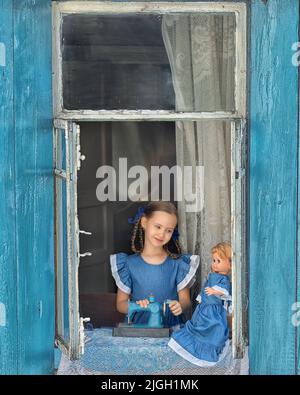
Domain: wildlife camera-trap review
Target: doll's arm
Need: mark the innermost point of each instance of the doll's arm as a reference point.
(218, 291)
(212, 291)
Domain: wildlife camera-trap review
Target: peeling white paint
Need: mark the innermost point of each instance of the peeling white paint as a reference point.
(2, 314)
(2, 55)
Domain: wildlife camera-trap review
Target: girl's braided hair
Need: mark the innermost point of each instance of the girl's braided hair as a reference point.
(173, 248)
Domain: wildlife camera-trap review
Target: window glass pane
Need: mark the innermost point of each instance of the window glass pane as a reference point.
(113, 62)
(171, 62)
(201, 50)
(62, 283)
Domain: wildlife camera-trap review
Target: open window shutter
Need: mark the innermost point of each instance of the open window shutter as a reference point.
(69, 331)
(238, 237)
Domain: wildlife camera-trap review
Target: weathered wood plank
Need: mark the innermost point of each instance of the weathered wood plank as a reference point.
(8, 267)
(34, 185)
(273, 189)
(296, 307)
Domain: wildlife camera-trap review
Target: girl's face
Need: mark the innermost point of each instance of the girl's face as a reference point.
(159, 228)
(220, 265)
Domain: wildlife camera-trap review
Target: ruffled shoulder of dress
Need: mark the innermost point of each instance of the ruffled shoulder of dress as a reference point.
(121, 256)
(187, 267)
(120, 271)
(185, 258)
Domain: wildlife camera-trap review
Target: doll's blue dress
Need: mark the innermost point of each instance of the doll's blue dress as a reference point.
(138, 278)
(202, 340)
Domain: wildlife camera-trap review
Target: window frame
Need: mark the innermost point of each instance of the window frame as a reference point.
(237, 118)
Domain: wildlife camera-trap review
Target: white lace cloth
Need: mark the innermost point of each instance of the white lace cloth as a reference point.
(109, 355)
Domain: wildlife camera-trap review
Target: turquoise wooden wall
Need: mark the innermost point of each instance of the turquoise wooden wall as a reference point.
(8, 267)
(273, 212)
(26, 205)
(26, 188)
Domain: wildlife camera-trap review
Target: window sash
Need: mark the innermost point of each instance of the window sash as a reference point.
(106, 8)
(67, 272)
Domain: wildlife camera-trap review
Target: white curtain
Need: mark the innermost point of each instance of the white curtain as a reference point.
(201, 51)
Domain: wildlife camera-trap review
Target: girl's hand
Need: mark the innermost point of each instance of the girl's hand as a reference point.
(211, 291)
(175, 307)
(143, 303)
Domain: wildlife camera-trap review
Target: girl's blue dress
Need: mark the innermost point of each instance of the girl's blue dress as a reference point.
(203, 339)
(136, 277)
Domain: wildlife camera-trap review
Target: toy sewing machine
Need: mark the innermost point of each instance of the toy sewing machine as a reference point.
(153, 328)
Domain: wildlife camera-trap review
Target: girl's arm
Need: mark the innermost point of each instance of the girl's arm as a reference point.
(122, 301)
(184, 302)
(184, 298)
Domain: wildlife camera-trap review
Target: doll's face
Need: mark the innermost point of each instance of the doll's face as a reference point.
(220, 265)
(159, 228)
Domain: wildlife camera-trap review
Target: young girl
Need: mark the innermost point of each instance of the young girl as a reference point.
(202, 340)
(156, 267)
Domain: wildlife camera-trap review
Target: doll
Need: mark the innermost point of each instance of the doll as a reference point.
(204, 339)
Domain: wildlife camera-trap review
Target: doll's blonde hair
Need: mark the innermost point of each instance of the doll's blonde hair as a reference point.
(223, 249)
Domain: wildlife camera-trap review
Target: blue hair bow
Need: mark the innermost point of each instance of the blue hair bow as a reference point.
(138, 215)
